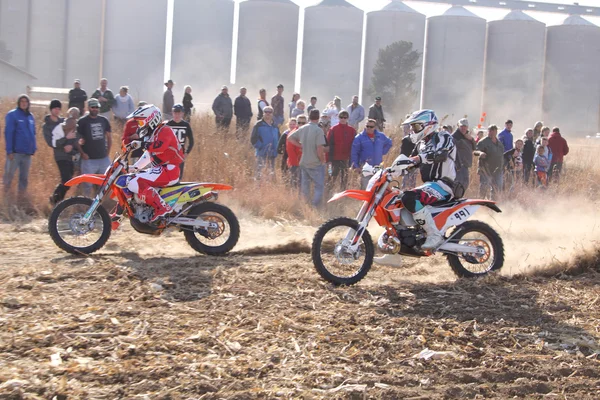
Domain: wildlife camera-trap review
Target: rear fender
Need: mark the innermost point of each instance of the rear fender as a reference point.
(361, 195)
(214, 186)
(460, 213)
(94, 179)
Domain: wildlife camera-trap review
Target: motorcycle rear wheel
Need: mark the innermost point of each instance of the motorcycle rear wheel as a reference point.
(330, 259)
(65, 230)
(212, 242)
(485, 236)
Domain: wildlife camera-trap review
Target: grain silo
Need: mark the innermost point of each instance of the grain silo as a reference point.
(394, 22)
(514, 70)
(14, 30)
(201, 49)
(572, 81)
(48, 41)
(331, 52)
(84, 41)
(454, 58)
(267, 43)
(134, 47)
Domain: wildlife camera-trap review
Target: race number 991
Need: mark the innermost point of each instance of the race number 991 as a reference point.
(461, 214)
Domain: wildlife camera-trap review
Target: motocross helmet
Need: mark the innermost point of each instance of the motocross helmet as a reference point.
(148, 118)
(422, 124)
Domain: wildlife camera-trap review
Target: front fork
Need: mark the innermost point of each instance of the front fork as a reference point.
(101, 193)
(364, 217)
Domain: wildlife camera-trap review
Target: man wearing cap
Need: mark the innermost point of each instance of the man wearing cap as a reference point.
(168, 100)
(183, 131)
(77, 96)
(376, 113)
(94, 143)
(243, 113)
(277, 103)
(19, 134)
(223, 109)
(105, 97)
(465, 145)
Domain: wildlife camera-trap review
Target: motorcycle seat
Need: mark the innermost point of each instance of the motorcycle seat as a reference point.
(447, 203)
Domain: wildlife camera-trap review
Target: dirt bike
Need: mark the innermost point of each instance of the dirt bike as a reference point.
(81, 225)
(343, 251)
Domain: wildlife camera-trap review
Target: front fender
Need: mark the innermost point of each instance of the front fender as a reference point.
(95, 179)
(362, 195)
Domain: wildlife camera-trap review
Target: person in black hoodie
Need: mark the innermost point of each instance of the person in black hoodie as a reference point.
(528, 154)
(187, 103)
(77, 96)
(409, 181)
(61, 136)
(465, 145)
(243, 113)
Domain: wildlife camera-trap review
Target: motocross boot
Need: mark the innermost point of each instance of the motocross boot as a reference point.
(116, 216)
(434, 237)
(153, 199)
(389, 260)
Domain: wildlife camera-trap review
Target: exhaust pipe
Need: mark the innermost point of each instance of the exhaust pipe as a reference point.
(389, 244)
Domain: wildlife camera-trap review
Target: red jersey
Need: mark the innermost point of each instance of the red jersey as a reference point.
(131, 127)
(164, 147)
(294, 153)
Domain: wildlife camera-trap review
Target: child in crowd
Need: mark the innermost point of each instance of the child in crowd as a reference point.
(541, 167)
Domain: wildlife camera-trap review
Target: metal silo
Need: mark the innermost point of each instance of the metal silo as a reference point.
(201, 49)
(572, 80)
(84, 41)
(134, 47)
(393, 23)
(454, 58)
(267, 43)
(514, 70)
(14, 30)
(331, 51)
(47, 41)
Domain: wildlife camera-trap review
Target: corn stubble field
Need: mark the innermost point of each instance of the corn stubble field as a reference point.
(149, 318)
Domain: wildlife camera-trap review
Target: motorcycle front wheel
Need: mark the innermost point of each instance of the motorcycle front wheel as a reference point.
(213, 241)
(333, 257)
(71, 234)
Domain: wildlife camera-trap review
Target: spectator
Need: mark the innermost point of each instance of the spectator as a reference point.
(168, 100)
(506, 137)
(94, 143)
(465, 145)
(292, 104)
(513, 164)
(409, 181)
(77, 96)
(528, 154)
(376, 113)
(325, 124)
(63, 139)
(130, 134)
(313, 104)
(480, 135)
(183, 131)
(547, 150)
(369, 147)
(312, 163)
(541, 167)
(19, 134)
(281, 145)
(187, 103)
(277, 104)
(106, 98)
(294, 153)
(262, 103)
(339, 141)
(491, 155)
(123, 105)
(537, 131)
(333, 109)
(265, 136)
(243, 113)
(545, 133)
(300, 108)
(223, 109)
(559, 147)
(357, 113)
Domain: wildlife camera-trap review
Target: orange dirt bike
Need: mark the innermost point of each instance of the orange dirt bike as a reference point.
(342, 248)
(81, 225)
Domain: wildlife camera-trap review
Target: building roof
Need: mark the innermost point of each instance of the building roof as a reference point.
(459, 11)
(334, 3)
(17, 68)
(577, 20)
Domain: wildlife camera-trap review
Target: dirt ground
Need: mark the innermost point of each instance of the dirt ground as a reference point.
(153, 320)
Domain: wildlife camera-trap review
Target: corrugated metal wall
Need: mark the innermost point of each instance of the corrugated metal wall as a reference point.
(47, 41)
(14, 31)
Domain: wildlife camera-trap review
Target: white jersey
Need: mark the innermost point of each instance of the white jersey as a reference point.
(431, 170)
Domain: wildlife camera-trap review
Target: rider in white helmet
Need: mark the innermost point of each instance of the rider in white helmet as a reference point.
(434, 153)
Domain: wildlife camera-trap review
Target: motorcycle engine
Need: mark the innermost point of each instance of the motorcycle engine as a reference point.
(143, 213)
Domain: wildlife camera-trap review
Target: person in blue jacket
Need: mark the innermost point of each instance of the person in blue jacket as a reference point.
(265, 136)
(369, 147)
(19, 133)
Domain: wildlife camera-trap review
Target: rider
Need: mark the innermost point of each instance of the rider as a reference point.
(434, 153)
(163, 154)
